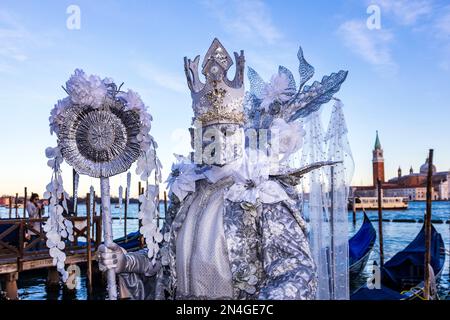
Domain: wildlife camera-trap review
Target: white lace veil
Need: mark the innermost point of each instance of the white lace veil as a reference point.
(327, 206)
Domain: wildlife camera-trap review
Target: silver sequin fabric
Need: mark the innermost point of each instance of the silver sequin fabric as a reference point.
(266, 250)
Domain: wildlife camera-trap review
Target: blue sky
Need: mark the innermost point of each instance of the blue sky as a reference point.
(398, 83)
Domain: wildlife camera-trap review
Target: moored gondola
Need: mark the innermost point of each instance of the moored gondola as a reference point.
(403, 274)
(131, 242)
(360, 247)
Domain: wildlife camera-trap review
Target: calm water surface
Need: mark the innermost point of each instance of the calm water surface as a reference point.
(397, 235)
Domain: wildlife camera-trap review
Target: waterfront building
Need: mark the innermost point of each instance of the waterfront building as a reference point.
(4, 201)
(411, 186)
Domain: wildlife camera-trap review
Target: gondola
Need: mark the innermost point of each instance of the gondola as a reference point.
(131, 242)
(360, 246)
(404, 272)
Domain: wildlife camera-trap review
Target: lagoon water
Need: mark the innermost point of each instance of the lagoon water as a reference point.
(397, 235)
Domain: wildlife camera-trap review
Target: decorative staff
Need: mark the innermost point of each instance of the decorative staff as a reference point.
(101, 132)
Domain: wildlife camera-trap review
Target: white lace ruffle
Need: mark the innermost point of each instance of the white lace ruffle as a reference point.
(183, 177)
(251, 181)
(267, 192)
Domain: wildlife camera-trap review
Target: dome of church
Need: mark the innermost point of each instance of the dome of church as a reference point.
(424, 168)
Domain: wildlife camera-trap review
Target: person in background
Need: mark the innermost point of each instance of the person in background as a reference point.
(33, 208)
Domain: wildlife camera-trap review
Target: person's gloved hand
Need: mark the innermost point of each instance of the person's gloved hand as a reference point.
(111, 257)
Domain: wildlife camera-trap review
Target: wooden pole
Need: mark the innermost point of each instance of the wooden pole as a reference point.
(139, 205)
(88, 238)
(158, 210)
(10, 206)
(73, 191)
(94, 210)
(426, 290)
(141, 239)
(11, 286)
(25, 203)
(16, 205)
(380, 222)
(139, 188)
(88, 203)
(354, 211)
(165, 204)
(125, 215)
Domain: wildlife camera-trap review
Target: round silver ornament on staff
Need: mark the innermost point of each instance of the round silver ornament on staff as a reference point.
(101, 132)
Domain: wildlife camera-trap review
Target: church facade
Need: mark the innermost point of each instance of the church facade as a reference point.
(411, 186)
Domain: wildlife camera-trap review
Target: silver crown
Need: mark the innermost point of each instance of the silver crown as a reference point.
(218, 100)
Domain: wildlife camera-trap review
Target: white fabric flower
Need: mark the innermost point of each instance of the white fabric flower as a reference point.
(148, 216)
(183, 177)
(276, 228)
(84, 90)
(59, 107)
(52, 152)
(145, 165)
(290, 290)
(277, 90)
(288, 137)
(57, 227)
(251, 181)
(133, 100)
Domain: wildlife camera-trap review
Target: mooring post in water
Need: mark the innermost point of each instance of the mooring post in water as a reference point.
(165, 204)
(88, 238)
(354, 211)
(158, 211)
(53, 279)
(140, 191)
(94, 210)
(74, 173)
(88, 203)
(125, 218)
(11, 286)
(426, 290)
(25, 202)
(10, 206)
(380, 222)
(16, 205)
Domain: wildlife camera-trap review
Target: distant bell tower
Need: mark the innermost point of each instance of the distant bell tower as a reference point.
(399, 172)
(378, 162)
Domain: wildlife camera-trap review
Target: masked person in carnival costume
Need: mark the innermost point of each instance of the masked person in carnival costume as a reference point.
(233, 229)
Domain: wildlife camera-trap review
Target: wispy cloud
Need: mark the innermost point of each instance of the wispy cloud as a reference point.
(442, 34)
(442, 24)
(428, 17)
(406, 12)
(13, 38)
(250, 20)
(160, 77)
(370, 45)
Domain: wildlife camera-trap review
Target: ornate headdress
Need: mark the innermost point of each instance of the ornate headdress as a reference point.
(218, 100)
